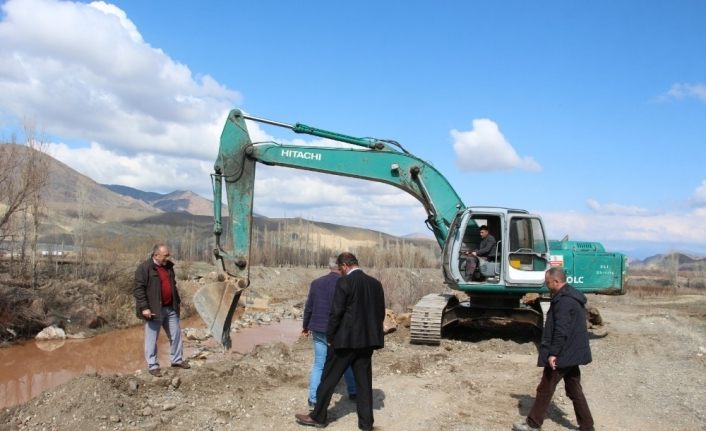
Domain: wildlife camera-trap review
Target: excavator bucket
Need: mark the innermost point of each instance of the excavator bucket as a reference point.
(216, 303)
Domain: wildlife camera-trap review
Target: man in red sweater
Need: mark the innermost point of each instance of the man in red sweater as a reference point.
(157, 303)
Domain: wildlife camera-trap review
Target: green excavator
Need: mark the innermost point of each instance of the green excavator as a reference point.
(494, 292)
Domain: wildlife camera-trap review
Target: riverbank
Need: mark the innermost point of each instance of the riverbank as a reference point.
(29, 368)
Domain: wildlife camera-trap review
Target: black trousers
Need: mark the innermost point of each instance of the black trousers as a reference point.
(337, 360)
(572, 385)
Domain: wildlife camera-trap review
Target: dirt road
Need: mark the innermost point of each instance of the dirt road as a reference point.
(649, 373)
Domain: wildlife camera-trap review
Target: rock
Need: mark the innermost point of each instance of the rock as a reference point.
(594, 316)
(51, 333)
(202, 355)
(114, 419)
(147, 411)
(169, 406)
(133, 386)
(390, 323)
(196, 334)
(176, 382)
(404, 319)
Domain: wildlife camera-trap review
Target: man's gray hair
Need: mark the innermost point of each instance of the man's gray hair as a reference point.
(332, 265)
(156, 247)
(557, 273)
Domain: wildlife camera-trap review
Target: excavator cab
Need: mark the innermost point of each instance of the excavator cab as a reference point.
(520, 257)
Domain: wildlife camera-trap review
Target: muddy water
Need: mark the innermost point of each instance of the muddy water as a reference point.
(30, 368)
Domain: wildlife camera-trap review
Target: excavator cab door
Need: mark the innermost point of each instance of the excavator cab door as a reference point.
(452, 249)
(526, 250)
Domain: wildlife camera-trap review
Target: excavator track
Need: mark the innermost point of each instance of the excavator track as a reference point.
(427, 315)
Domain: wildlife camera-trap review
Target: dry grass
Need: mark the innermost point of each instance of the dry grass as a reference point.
(651, 283)
(404, 287)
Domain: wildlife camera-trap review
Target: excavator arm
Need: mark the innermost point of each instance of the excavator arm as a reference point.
(367, 158)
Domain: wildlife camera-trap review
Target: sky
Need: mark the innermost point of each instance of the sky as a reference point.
(591, 114)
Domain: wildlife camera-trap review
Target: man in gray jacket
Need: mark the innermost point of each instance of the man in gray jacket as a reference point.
(157, 302)
(564, 347)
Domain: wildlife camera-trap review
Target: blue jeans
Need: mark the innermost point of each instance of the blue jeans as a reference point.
(320, 350)
(169, 321)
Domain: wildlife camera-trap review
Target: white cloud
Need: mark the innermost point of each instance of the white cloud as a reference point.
(687, 229)
(346, 201)
(615, 209)
(145, 171)
(699, 197)
(682, 91)
(85, 73)
(484, 148)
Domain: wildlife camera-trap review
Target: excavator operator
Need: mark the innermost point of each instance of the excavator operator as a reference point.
(486, 251)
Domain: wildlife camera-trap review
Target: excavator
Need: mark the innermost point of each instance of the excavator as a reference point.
(497, 291)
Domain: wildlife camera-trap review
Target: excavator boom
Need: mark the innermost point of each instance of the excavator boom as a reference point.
(367, 158)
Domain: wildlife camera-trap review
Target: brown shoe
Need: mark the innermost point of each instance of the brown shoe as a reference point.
(303, 419)
(185, 365)
(155, 372)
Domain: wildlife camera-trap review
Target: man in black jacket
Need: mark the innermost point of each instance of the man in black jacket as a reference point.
(564, 347)
(157, 303)
(354, 332)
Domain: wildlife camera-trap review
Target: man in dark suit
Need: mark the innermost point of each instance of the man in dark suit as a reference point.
(354, 332)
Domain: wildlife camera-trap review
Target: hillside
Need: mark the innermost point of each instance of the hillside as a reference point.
(177, 201)
(79, 210)
(670, 262)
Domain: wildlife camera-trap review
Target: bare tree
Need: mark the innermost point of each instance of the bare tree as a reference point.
(23, 176)
(81, 228)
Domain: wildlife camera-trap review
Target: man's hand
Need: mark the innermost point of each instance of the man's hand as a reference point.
(552, 362)
(148, 314)
(305, 332)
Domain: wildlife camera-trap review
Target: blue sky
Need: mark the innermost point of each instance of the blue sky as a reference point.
(592, 114)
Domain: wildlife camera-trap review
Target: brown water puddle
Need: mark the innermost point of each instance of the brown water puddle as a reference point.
(28, 369)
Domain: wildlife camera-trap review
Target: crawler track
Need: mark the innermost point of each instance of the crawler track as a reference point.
(427, 315)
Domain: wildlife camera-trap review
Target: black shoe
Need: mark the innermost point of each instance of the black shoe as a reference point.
(155, 372)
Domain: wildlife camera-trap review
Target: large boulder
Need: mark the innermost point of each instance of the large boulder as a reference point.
(51, 333)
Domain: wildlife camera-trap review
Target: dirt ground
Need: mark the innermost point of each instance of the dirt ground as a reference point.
(648, 373)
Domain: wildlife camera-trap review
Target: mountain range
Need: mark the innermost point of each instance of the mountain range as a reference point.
(179, 201)
(77, 209)
(671, 261)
